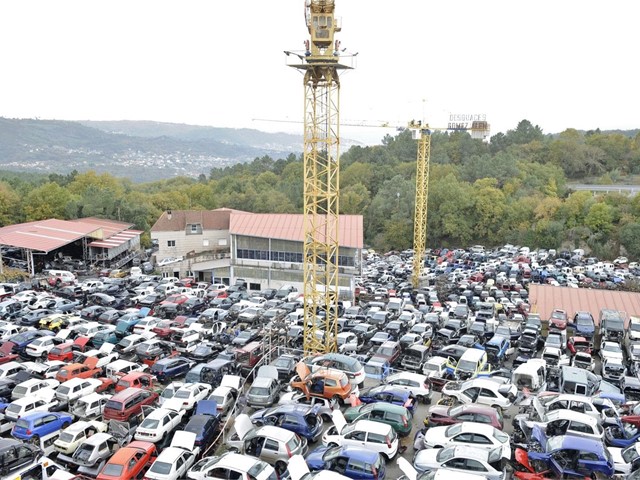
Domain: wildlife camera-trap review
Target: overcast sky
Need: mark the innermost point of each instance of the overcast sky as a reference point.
(559, 64)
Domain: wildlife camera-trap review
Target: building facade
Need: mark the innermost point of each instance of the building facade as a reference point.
(266, 250)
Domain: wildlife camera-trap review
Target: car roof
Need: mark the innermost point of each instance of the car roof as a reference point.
(483, 428)
(236, 461)
(276, 433)
(360, 453)
(407, 375)
(374, 427)
(387, 407)
(570, 415)
(471, 452)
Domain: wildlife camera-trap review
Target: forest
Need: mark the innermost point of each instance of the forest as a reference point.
(513, 189)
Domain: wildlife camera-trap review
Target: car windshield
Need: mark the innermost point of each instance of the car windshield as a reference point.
(162, 468)
(584, 321)
(22, 423)
(453, 430)
(430, 367)
(183, 394)
(20, 391)
(500, 436)
(467, 366)
(66, 437)
(256, 469)
(63, 389)
(445, 454)
(629, 454)
(112, 470)
(331, 454)
(611, 347)
(150, 423)
(258, 391)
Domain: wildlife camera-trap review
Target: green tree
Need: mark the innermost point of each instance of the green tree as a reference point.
(630, 239)
(600, 218)
(47, 201)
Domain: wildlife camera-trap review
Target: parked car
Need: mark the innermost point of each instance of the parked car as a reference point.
(170, 368)
(174, 461)
(375, 436)
(351, 461)
(36, 425)
(400, 418)
(232, 465)
(159, 424)
(440, 415)
(461, 459)
(129, 462)
(77, 433)
(204, 423)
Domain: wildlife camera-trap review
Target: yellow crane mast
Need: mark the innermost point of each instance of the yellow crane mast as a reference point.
(422, 133)
(320, 63)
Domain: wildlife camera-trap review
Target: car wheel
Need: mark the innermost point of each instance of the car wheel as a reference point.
(498, 409)
(337, 399)
(35, 440)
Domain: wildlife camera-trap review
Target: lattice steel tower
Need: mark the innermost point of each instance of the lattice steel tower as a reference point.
(320, 63)
(422, 133)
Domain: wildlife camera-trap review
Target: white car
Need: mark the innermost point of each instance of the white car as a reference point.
(48, 369)
(105, 355)
(299, 470)
(375, 436)
(145, 325)
(77, 388)
(175, 460)
(121, 367)
(190, 393)
(610, 350)
(559, 422)
(169, 391)
(41, 347)
(554, 357)
(478, 435)
(439, 474)
(577, 403)
(482, 391)
(326, 406)
(89, 406)
(232, 465)
(411, 382)
(31, 387)
(463, 459)
(75, 434)
(43, 401)
(158, 424)
(226, 394)
(583, 360)
(624, 458)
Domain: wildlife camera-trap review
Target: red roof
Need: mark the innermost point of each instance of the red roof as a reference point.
(544, 298)
(108, 227)
(117, 240)
(286, 226)
(45, 235)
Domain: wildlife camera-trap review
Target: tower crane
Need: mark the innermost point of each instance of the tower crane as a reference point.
(422, 133)
(320, 63)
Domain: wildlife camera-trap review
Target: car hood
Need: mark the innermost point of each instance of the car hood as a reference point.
(314, 458)
(426, 457)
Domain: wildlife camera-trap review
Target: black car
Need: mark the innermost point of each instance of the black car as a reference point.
(204, 423)
(245, 337)
(205, 351)
(193, 306)
(286, 366)
(268, 293)
(8, 384)
(16, 455)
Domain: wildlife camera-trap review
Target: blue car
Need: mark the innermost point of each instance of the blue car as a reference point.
(621, 437)
(205, 422)
(389, 394)
(40, 424)
(498, 349)
(358, 463)
(583, 324)
(305, 420)
(167, 369)
(22, 340)
(570, 456)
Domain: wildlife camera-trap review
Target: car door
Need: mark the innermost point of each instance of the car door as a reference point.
(270, 451)
(49, 424)
(357, 438)
(489, 397)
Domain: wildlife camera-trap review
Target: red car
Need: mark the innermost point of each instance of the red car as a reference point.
(129, 462)
(558, 320)
(6, 354)
(163, 328)
(578, 344)
(441, 415)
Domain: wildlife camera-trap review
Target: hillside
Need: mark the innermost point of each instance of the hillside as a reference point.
(140, 151)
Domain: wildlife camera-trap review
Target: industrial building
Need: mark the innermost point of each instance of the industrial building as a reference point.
(266, 250)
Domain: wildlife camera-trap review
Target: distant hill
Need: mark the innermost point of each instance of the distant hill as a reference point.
(141, 151)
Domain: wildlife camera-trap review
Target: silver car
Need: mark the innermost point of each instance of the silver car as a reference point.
(274, 445)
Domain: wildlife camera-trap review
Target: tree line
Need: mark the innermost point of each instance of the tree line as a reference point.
(513, 189)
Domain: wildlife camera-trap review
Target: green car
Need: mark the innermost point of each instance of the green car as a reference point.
(398, 417)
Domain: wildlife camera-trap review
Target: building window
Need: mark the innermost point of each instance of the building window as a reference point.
(171, 243)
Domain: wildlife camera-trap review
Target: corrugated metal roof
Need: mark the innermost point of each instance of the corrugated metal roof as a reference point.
(45, 235)
(109, 227)
(116, 240)
(286, 226)
(544, 298)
